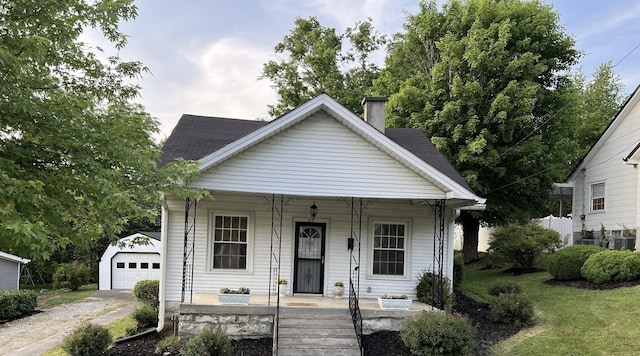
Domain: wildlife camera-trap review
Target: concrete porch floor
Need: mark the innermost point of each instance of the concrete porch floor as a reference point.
(305, 301)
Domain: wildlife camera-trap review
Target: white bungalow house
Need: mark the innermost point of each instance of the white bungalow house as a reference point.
(606, 182)
(135, 257)
(10, 268)
(316, 196)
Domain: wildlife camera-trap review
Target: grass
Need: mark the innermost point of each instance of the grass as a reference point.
(570, 321)
(64, 296)
(117, 329)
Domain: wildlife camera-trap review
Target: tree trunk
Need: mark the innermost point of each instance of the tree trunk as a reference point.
(470, 228)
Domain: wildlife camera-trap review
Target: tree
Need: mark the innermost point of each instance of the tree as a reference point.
(313, 62)
(484, 80)
(77, 159)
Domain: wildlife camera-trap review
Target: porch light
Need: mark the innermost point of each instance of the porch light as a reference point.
(313, 211)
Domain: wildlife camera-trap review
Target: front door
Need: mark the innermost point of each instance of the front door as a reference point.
(309, 258)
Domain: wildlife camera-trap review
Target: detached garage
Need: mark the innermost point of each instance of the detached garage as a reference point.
(10, 270)
(126, 263)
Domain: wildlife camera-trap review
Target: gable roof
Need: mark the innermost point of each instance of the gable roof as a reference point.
(152, 234)
(13, 258)
(613, 124)
(213, 140)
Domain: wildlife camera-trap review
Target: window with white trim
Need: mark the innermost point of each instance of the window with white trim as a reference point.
(597, 197)
(229, 242)
(389, 249)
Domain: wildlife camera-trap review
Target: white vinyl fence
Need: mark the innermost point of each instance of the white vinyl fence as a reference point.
(560, 224)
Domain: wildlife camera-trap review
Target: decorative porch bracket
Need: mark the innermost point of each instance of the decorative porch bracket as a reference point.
(189, 246)
(438, 207)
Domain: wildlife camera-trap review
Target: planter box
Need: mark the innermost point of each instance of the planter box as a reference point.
(394, 303)
(234, 299)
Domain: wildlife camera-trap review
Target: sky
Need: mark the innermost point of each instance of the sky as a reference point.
(205, 57)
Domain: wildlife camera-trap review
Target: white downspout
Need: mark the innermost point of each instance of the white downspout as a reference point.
(163, 263)
(450, 243)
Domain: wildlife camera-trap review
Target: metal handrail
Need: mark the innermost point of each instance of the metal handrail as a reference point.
(356, 316)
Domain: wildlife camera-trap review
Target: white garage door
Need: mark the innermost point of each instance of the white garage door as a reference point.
(128, 268)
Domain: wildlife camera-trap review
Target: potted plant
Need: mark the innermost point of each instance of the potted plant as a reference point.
(394, 302)
(238, 296)
(338, 289)
(283, 286)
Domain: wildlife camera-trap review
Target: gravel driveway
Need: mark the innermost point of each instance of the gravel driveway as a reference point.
(19, 333)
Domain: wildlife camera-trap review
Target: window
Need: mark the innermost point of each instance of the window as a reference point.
(597, 197)
(144, 265)
(389, 249)
(120, 265)
(230, 242)
(133, 265)
(155, 265)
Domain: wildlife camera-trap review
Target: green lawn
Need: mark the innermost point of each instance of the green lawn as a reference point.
(64, 296)
(570, 321)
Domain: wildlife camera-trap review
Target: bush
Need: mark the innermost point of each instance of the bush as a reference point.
(171, 345)
(16, 303)
(458, 270)
(71, 275)
(611, 266)
(87, 340)
(145, 316)
(438, 334)
(504, 287)
(208, 342)
(566, 264)
(147, 291)
(427, 291)
(522, 244)
(512, 308)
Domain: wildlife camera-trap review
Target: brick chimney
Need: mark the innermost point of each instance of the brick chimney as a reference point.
(374, 111)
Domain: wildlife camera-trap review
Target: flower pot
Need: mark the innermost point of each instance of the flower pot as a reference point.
(284, 290)
(386, 303)
(234, 299)
(338, 291)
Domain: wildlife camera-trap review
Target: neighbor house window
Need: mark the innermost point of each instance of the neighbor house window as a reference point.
(230, 241)
(389, 249)
(597, 197)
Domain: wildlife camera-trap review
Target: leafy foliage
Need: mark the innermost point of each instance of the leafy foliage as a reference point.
(504, 287)
(16, 303)
(208, 342)
(611, 266)
(438, 334)
(566, 264)
(522, 244)
(145, 316)
(71, 275)
(458, 270)
(87, 340)
(147, 291)
(241, 290)
(170, 345)
(512, 308)
(435, 291)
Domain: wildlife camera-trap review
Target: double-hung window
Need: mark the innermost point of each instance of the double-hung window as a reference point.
(230, 239)
(597, 197)
(389, 249)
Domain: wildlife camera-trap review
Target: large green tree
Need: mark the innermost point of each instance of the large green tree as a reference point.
(484, 80)
(77, 158)
(314, 59)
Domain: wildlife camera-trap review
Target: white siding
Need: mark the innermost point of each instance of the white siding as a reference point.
(318, 157)
(9, 273)
(621, 182)
(332, 211)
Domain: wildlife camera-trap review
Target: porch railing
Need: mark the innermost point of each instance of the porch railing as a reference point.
(356, 316)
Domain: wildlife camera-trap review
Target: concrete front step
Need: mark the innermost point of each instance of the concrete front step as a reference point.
(309, 332)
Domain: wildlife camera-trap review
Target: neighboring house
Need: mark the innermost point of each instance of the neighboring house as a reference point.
(606, 182)
(10, 267)
(315, 196)
(133, 258)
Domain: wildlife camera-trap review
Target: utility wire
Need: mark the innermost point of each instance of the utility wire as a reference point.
(626, 55)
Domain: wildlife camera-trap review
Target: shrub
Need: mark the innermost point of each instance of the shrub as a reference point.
(87, 340)
(522, 244)
(71, 275)
(438, 334)
(611, 266)
(458, 270)
(208, 342)
(171, 345)
(565, 264)
(145, 316)
(512, 308)
(504, 286)
(147, 291)
(16, 303)
(428, 289)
